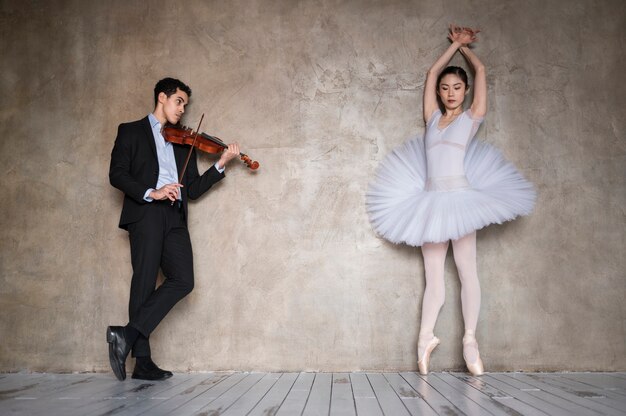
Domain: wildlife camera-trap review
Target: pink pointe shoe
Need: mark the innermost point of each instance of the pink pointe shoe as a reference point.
(476, 368)
(424, 360)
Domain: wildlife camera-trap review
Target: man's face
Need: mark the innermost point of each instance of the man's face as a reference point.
(174, 105)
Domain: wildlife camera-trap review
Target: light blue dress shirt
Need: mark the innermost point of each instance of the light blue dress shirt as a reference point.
(168, 172)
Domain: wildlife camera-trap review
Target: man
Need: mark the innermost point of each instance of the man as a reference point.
(146, 168)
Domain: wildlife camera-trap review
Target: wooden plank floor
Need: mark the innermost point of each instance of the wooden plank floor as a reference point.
(263, 394)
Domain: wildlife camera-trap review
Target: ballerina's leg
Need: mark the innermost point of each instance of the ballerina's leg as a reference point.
(434, 293)
(465, 258)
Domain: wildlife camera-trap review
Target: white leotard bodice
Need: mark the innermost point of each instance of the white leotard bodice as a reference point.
(445, 151)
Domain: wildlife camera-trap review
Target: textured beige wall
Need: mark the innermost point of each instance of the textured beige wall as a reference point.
(289, 275)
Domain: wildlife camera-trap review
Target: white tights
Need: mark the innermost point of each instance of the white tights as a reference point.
(464, 250)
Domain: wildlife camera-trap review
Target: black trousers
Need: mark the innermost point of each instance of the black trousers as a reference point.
(159, 240)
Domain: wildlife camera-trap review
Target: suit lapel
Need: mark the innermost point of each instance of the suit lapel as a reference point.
(180, 152)
(149, 136)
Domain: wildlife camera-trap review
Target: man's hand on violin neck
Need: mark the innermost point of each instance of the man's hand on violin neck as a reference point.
(169, 191)
(231, 152)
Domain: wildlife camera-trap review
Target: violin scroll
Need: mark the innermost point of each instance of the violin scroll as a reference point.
(252, 164)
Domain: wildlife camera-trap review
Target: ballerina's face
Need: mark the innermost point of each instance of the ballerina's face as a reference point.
(452, 91)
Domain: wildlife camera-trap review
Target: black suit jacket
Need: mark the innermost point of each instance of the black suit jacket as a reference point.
(135, 168)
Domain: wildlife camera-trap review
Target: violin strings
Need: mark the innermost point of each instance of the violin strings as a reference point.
(215, 139)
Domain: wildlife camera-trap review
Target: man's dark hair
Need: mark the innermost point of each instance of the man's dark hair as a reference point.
(169, 86)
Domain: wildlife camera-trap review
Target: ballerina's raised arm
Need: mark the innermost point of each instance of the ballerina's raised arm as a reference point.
(461, 38)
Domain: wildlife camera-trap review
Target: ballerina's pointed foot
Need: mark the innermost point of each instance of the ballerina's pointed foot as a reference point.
(471, 355)
(424, 360)
(477, 368)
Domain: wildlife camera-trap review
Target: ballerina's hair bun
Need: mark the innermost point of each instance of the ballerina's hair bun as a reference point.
(456, 70)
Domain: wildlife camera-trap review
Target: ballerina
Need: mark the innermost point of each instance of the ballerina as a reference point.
(443, 188)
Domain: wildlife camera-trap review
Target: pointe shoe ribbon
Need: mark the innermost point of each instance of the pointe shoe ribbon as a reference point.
(424, 360)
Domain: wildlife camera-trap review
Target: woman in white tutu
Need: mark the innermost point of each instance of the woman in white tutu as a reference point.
(445, 187)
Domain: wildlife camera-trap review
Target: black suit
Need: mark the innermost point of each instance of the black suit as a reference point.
(157, 230)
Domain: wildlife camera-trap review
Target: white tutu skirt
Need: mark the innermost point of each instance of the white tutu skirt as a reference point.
(402, 211)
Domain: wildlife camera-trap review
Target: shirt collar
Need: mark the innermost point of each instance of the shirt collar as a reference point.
(153, 121)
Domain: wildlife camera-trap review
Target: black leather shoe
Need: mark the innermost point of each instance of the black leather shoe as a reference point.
(150, 371)
(118, 350)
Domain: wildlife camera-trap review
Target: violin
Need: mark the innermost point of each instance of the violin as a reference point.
(202, 141)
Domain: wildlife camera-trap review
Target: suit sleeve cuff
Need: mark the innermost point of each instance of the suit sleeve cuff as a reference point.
(146, 196)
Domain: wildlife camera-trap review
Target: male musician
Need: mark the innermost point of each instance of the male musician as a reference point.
(146, 168)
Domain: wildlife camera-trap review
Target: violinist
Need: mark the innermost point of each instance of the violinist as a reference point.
(146, 168)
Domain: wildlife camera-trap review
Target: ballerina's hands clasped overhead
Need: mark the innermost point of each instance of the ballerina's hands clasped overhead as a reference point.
(463, 35)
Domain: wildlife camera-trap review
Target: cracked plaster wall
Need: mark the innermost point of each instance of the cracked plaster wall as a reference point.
(289, 275)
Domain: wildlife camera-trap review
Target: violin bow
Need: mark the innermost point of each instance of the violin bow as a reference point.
(195, 136)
